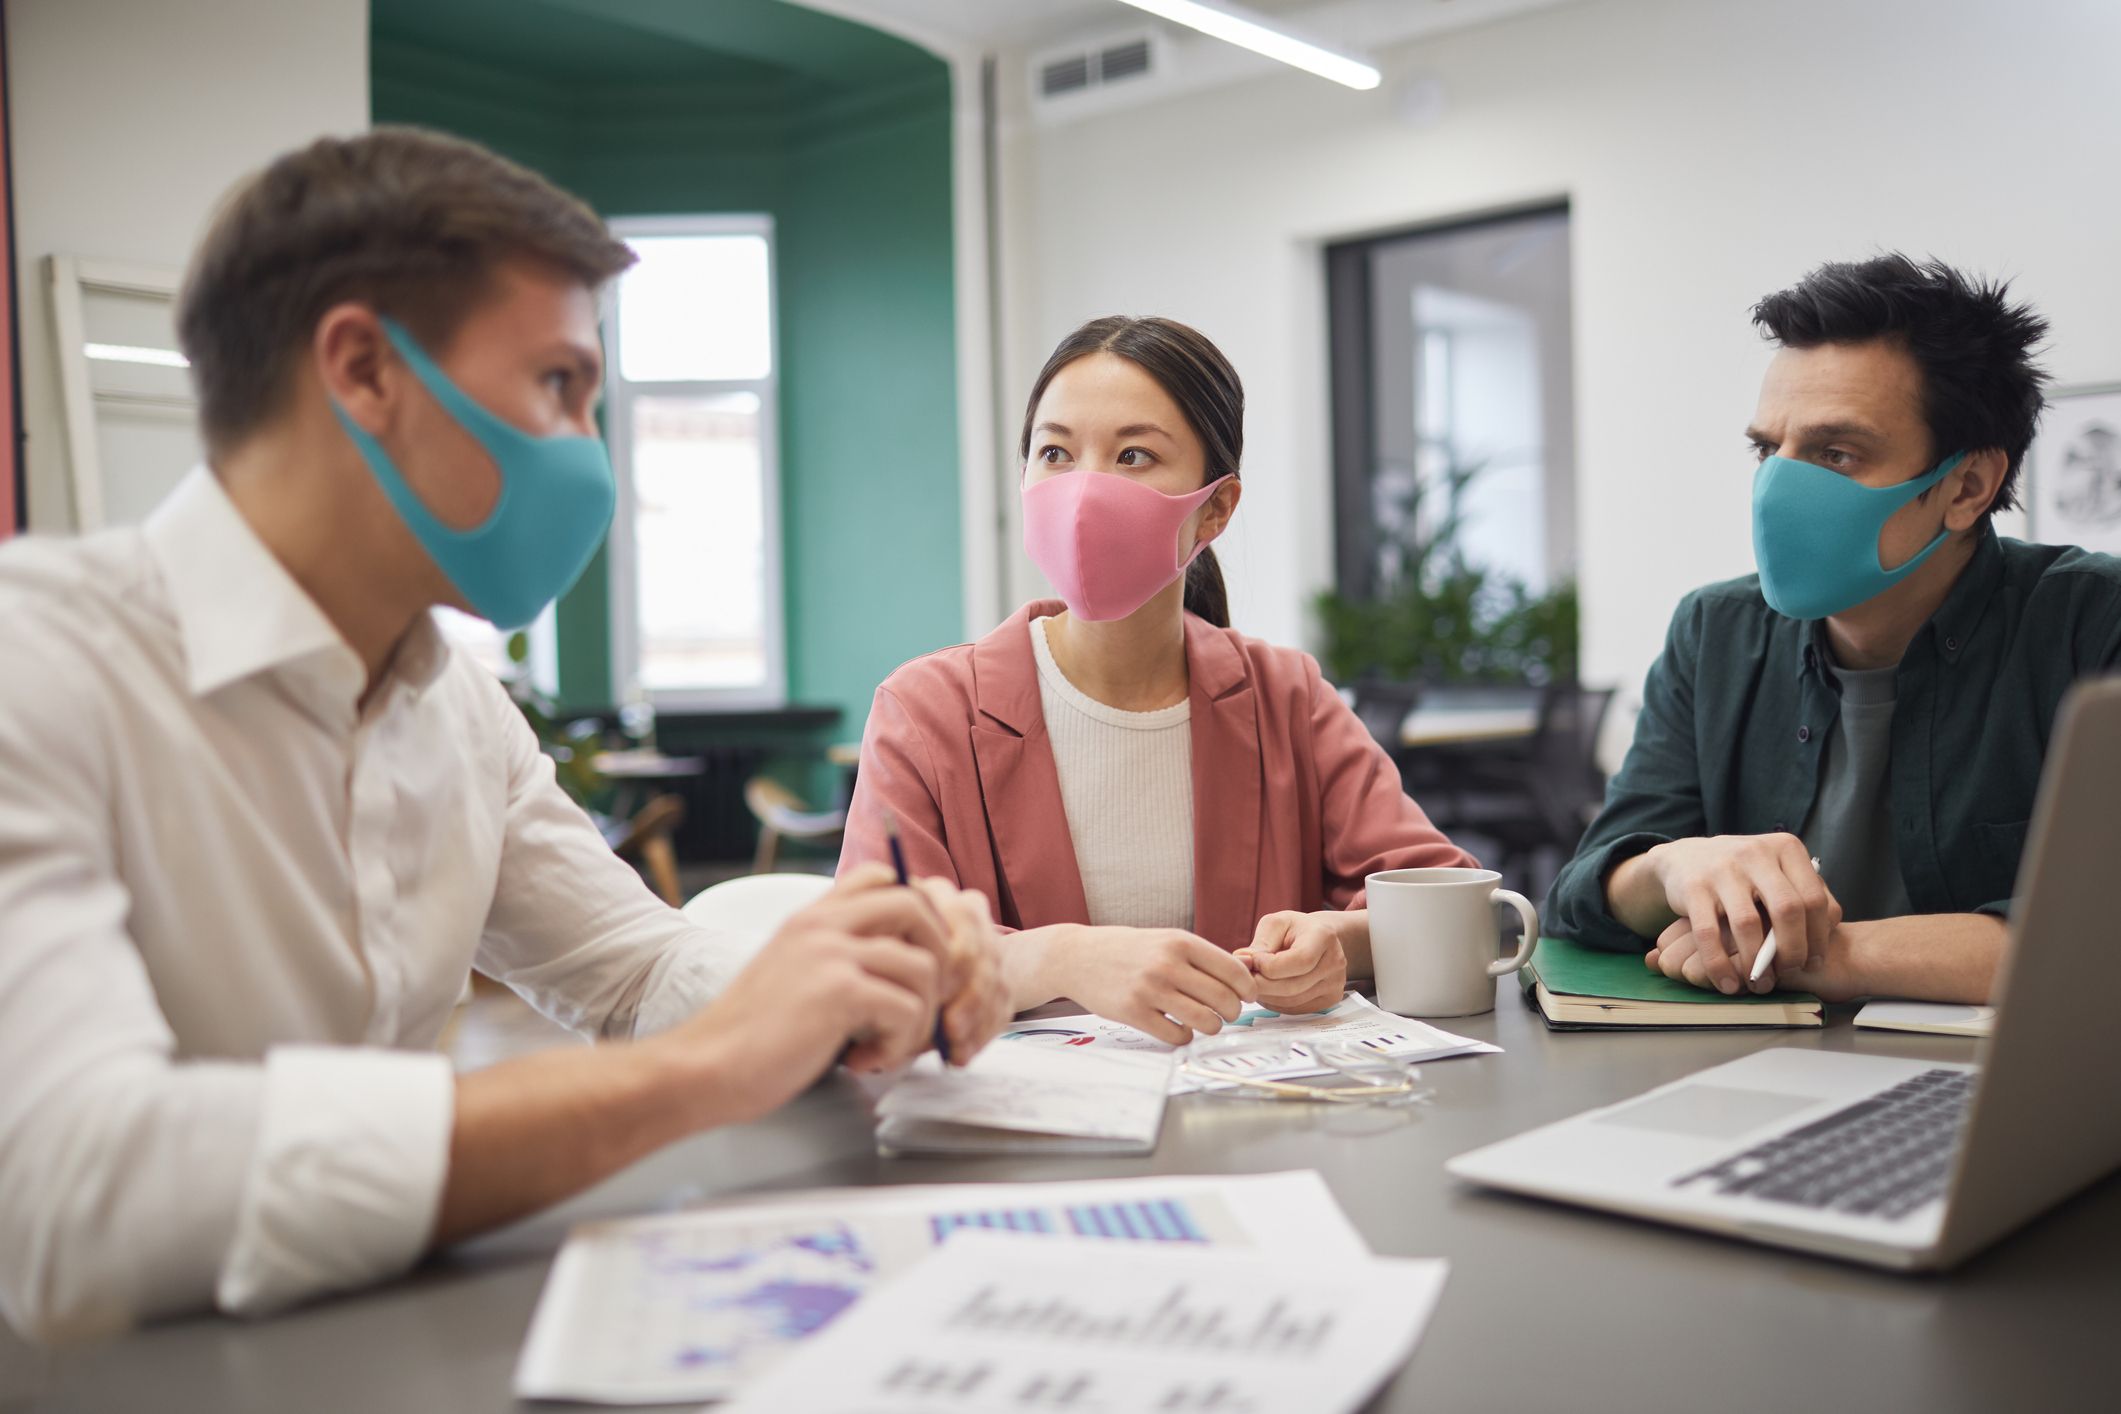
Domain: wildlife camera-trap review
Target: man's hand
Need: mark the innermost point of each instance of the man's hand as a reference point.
(1300, 960)
(1728, 891)
(861, 968)
(861, 971)
(1830, 973)
(1167, 982)
(1925, 957)
(975, 996)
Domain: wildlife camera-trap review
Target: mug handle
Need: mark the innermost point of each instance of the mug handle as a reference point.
(1530, 916)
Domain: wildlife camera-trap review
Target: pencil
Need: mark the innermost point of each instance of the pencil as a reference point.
(898, 863)
(1762, 960)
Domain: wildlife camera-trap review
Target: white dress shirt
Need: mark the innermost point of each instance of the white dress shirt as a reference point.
(236, 909)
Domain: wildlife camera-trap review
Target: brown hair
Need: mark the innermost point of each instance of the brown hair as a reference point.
(409, 221)
(1208, 392)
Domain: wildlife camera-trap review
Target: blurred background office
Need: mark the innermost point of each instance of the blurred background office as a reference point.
(1490, 309)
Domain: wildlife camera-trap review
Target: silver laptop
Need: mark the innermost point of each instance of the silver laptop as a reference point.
(1901, 1163)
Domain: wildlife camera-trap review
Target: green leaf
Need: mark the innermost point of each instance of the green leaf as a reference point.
(1445, 620)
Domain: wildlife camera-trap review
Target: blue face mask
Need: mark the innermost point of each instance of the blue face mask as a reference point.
(556, 500)
(1815, 535)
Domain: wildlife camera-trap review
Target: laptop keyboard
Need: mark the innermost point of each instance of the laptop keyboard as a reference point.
(1882, 1157)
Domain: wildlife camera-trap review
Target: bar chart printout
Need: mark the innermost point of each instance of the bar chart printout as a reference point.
(1181, 1320)
(1002, 1324)
(691, 1306)
(1155, 1220)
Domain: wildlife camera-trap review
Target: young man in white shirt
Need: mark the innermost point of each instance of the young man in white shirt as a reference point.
(257, 820)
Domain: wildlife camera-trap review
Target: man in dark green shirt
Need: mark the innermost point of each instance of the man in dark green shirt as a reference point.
(1879, 697)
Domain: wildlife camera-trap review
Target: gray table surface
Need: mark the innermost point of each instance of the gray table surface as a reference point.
(1546, 1307)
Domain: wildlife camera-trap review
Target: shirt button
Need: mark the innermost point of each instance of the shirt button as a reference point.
(1804, 733)
(1781, 828)
(1951, 645)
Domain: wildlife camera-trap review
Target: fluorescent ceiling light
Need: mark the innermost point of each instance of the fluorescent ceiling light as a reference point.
(1248, 31)
(134, 353)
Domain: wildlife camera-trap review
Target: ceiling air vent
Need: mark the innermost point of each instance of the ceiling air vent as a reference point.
(1123, 61)
(1069, 75)
(1066, 76)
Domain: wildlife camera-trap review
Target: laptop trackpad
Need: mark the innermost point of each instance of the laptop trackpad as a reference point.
(1708, 1111)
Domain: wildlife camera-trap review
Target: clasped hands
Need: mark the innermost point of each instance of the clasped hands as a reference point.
(1727, 893)
(1174, 985)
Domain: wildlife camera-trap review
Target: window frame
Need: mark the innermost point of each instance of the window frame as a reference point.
(1351, 357)
(622, 553)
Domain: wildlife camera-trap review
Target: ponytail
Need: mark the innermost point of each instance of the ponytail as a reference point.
(1205, 595)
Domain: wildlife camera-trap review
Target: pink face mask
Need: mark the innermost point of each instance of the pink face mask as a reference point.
(1107, 542)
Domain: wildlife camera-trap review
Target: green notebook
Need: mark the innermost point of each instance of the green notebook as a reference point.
(1575, 987)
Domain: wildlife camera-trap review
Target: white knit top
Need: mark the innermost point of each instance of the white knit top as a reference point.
(1126, 781)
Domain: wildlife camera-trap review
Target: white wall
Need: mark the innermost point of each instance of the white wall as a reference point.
(1712, 150)
(129, 120)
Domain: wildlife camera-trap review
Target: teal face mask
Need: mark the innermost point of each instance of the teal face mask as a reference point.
(1815, 535)
(556, 500)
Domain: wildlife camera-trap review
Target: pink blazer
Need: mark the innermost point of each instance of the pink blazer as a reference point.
(1294, 804)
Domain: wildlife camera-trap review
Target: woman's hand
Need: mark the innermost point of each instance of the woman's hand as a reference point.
(1301, 960)
(1169, 983)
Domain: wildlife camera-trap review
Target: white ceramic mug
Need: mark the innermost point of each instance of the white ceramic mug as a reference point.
(1433, 939)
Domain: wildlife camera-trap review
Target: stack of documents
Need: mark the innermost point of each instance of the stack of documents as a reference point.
(993, 1324)
(1027, 1099)
(1260, 1044)
(1931, 1018)
(691, 1306)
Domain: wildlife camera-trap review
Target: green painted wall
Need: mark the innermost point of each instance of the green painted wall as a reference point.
(857, 178)
(869, 408)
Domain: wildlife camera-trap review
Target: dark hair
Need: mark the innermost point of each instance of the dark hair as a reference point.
(1973, 347)
(412, 222)
(1208, 392)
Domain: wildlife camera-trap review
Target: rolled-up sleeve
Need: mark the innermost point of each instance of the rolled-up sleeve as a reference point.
(572, 927)
(1654, 797)
(137, 1183)
(345, 1176)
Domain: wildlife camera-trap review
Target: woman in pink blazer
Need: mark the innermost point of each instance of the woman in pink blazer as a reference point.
(1173, 818)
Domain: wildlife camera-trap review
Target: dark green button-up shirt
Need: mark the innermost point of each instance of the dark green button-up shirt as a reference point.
(1738, 709)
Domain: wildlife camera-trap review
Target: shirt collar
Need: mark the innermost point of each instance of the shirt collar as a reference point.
(240, 613)
(1952, 624)
(1812, 653)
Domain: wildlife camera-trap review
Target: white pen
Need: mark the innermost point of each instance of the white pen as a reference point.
(1766, 956)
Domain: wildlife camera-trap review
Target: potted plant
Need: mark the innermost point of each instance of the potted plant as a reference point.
(573, 746)
(1438, 619)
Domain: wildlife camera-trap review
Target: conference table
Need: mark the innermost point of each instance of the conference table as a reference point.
(1468, 726)
(1546, 1307)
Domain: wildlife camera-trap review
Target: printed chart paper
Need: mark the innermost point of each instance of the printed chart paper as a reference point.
(1111, 1095)
(994, 1325)
(689, 1306)
(1261, 1044)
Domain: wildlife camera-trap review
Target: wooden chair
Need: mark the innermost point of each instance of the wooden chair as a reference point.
(647, 839)
(782, 814)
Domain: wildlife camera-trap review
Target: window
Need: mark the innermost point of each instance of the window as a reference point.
(488, 647)
(1451, 377)
(691, 411)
